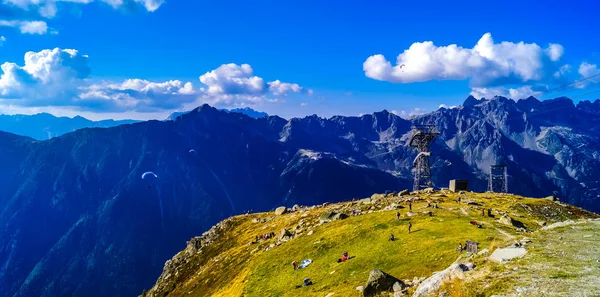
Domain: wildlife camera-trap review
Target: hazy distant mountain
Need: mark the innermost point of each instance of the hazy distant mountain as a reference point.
(45, 126)
(77, 219)
(246, 110)
(250, 112)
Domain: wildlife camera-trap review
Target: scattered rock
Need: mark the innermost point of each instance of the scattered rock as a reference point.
(329, 295)
(360, 288)
(280, 210)
(365, 201)
(403, 193)
(428, 190)
(393, 206)
(397, 287)
(284, 235)
(332, 216)
(376, 197)
(506, 220)
(552, 198)
(506, 254)
(434, 282)
(310, 232)
(560, 224)
(256, 220)
(378, 282)
(483, 252)
(411, 214)
(296, 207)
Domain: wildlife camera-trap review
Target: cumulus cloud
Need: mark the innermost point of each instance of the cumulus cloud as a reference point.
(303, 104)
(27, 27)
(590, 73)
(61, 78)
(2, 40)
(487, 64)
(235, 85)
(233, 79)
(280, 88)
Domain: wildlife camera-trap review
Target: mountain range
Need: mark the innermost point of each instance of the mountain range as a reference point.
(44, 126)
(79, 219)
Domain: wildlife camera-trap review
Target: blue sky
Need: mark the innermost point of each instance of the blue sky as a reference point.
(317, 50)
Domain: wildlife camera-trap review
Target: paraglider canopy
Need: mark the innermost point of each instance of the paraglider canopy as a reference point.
(149, 173)
(192, 151)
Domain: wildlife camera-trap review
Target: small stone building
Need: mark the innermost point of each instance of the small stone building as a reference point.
(459, 185)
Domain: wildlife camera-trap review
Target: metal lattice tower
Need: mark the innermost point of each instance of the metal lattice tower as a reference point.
(497, 182)
(422, 137)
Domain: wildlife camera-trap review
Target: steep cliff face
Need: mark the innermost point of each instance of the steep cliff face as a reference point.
(80, 221)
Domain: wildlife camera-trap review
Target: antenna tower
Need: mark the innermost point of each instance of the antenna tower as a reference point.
(423, 136)
(497, 182)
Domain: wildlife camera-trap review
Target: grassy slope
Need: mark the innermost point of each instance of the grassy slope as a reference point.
(228, 268)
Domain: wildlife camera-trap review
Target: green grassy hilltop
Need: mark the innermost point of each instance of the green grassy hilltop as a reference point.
(227, 261)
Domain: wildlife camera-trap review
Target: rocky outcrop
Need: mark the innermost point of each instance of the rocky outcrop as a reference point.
(379, 282)
(332, 216)
(284, 235)
(193, 246)
(434, 282)
(506, 220)
(280, 210)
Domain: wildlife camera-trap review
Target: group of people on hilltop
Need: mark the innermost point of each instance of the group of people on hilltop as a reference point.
(264, 236)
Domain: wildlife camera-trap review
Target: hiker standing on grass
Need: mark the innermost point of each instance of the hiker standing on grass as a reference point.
(397, 215)
(459, 199)
(483, 212)
(410, 205)
(295, 265)
(409, 226)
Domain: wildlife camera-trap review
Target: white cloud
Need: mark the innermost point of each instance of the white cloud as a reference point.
(513, 93)
(2, 40)
(48, 9)
(555, 51)
(232, 85)
(27, 27)
(587, 70)
(406, 114)
(233, 79)
(22, 11)
(303, 104)
(61, 78)
(486, 64)
(447, 107)
(310, 92)
(562, 71)
(280, 88)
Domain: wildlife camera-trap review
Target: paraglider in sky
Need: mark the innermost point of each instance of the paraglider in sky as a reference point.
(148, 173)
(192, 151)
(402, 66)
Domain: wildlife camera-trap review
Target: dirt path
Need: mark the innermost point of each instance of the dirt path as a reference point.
(505, 233)
(562, 262)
